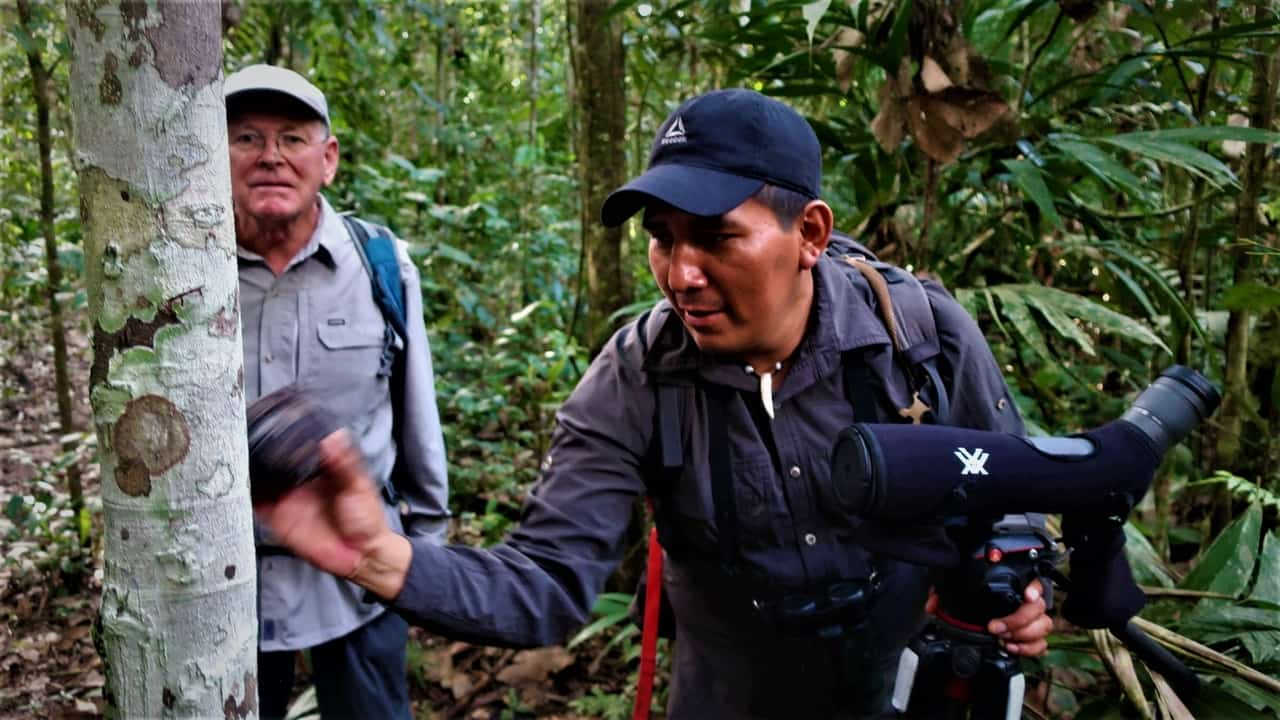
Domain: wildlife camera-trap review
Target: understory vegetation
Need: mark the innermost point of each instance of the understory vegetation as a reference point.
(1095, 180)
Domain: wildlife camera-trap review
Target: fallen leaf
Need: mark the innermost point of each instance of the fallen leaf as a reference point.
(84, 706)
(533, 666)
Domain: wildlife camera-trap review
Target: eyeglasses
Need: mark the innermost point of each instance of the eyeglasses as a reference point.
(290, 144)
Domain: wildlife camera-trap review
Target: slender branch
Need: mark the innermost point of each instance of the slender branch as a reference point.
(1026, 72)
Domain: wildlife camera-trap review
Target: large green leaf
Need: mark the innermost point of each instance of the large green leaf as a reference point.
(1061, 322)
(1078, 307)
(1256, 697)
(1267, 588)
(1099, 163)
(1191, 159)
(1227, 565)
(1143, 560)
(1263, 646)
(1210, 133)
(1014, 308)
(1028, 178)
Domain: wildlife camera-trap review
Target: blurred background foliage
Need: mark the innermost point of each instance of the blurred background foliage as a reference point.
(1089, 177)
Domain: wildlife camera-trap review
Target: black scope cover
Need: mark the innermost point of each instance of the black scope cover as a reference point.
(285, 430)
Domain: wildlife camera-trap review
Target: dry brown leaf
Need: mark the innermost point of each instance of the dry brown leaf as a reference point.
(928, 125)
(534, 666)
(86, 707)
(460, 685)
(1118, 660)
(92, 679)
(972, 112)
(1167, 700)
(933, 76)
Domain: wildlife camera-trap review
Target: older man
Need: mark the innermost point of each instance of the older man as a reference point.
(756, 332)
(310, 319)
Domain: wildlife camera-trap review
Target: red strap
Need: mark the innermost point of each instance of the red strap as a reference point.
(649, 635)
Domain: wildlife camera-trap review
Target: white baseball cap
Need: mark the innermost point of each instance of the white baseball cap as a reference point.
(273, 79)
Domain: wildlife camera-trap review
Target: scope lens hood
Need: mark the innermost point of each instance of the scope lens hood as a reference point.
(1198, 384)
(857, 470)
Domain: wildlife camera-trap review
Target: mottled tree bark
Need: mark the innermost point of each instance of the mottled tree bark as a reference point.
(177, 626)
(42, 92)
(598, 63)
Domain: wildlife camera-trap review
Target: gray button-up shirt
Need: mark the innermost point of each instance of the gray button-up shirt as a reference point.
(318, 326)
(729, 662)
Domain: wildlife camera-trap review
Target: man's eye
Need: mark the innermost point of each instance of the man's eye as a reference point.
(292, 140)
(245, 139)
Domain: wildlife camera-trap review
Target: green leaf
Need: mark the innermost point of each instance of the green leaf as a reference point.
(1147, 566)
(450, 252)
(1099, 163)
(813, 12)
(1267, 589)
(1263, 647)
(1256, 697)
(1132, 286)
(1228, 563)
(1064, 325)
(25, 40)
(1028, 178)
(1191, 159)
(1211, 133)
(1014, 308)
(1251, 296)
(1082, 308)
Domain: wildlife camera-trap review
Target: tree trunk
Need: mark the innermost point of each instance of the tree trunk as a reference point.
(178, 626)
(602, 111)
(1236, 395)
(43, 94)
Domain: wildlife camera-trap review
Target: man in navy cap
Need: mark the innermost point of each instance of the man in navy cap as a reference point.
(309, 319)
(755, 328)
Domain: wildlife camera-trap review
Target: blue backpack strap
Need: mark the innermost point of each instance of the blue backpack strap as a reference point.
(378, 255)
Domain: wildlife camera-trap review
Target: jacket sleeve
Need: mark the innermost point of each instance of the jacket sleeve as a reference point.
(422, 481)
(979, 397)
(539, 584)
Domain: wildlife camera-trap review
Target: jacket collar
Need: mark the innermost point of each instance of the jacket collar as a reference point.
(843, 318)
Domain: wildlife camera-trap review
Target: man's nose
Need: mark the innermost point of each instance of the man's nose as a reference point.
(270, 153)
(685, 273)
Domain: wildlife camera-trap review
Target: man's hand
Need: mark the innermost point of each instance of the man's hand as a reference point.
(337, 523)
(1025, 631)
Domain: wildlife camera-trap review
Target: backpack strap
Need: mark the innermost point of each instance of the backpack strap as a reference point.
(908, 317)
(378, 255)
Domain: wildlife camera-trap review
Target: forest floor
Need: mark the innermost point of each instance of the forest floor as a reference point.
(50, 590)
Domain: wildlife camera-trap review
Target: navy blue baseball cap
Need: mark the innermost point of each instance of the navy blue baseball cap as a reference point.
(718, 149)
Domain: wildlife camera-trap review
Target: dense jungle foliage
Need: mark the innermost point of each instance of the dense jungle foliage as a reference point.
(1091, 178)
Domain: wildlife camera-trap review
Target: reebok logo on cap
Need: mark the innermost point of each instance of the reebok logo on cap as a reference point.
(675, 133)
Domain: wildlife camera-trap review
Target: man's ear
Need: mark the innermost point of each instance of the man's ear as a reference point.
(330, 159)
(815, 223)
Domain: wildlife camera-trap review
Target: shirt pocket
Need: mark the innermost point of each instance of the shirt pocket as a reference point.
(760, 506)
(345, 366)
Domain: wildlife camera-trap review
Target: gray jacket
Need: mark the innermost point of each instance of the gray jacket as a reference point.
(539, 584)
(317, 325)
